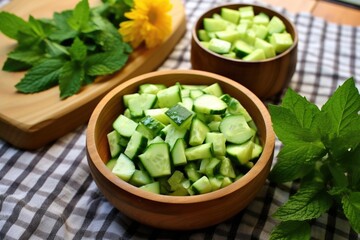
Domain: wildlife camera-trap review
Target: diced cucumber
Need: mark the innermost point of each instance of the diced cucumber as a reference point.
(199, 152)
(214, 25)
(125, 126)
(219, 46)
(209, 104)
(151, 88)
(242, 49)
(140, 178)
(257, 150)
(137, 105)
(202, 185)
(169, 97)
(136, 144)
(215, 183)
(124, 168)
(261, 19)
(276, 25)
(111, 163)
(212, 167)
(250, 36)
(226, 168)
(155, 140)
(195, 93)
(174, 133)
(203, 164)
(218, 141)
(191, 172)
(235, 129)
(235, 107)
(149, 127)
(127, 97)
(226, 181)
(175, 180)
(178, 153)
(153, 187)
(156, 159)
(180, 116)
(188, 103)
(256, 55)
(113, 138)
(158, 114)
(261, 31)
(230, 15)
(213, 89)
(203, 36)
(266, 47)
(198, 131)
(241, 152)
(281, 41)
(246, 12)
(228, 35)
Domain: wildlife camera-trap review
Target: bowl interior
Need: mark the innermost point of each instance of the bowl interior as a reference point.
(111, 106)
(257, 9)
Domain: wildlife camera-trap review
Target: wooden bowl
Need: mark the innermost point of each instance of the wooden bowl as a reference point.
(265, 78)
(176, 212)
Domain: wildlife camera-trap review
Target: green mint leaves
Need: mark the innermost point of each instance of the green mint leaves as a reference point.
(321, 148)
(69, 50)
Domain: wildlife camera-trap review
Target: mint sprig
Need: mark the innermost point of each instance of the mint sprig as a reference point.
(321, 149)
(69, 50)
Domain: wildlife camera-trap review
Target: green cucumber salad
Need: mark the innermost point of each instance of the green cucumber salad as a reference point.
(182, 140)
(242, 34)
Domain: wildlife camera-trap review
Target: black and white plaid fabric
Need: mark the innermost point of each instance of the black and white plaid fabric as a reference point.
(50, 194)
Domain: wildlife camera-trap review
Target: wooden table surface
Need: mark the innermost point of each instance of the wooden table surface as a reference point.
(332, 12)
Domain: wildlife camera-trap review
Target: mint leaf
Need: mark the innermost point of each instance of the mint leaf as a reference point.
(288, 128)
(78, 50)
(41, 77)
(310, 202)
(80, 15)
(105, 63)
(62, 31)
(70, 80)
(36, 27)
(12, 65)
(30, 56)
(304, 111)
(351, 207)
(342, 107)
(295, 160)
(291, 230)
(13, 25)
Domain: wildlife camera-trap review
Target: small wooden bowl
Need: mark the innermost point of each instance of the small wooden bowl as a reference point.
(265, 78)
(176, 212)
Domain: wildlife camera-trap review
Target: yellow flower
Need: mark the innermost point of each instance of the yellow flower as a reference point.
(149, 21)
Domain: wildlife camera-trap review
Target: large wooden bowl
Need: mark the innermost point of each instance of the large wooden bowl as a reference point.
(265, 78)
(176, 212)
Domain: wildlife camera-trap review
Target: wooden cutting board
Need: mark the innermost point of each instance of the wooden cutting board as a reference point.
(29, 121)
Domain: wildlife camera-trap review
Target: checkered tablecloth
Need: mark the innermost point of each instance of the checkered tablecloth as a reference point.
(50, 194)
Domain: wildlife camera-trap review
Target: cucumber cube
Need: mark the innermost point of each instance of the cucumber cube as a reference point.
(203, 36)
(246, 12)
(113, 138)
(140, 178)
(261, 19)
(242, 152)
(218, 141)
(230, 15)
(260, 31)
(226, 168)
(178, 152)
(180, 116)
(266, 47)
(153, 187)
(276, 25)
(256, 55)
(228, 35)
(124, 168)
(169, 97)
(242, 29)
(214, 24)
(281, 41)
(151, 88)
(202, 185)
(242, 49)
(125, 126)
(219, 46)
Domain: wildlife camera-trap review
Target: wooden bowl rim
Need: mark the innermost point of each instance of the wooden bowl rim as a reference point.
(197, 41)
(265, 157)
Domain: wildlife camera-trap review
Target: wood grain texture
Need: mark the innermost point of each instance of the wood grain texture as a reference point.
(30, 121)
(177, 212)
(265, 78)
